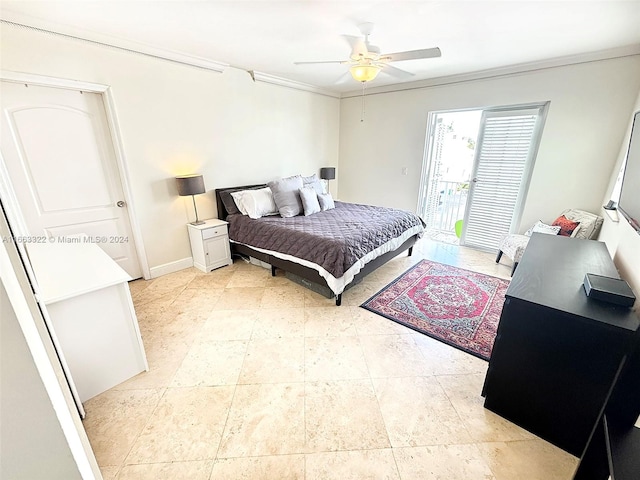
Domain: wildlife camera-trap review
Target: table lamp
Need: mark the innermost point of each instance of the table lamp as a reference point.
(191, 185)
(328, 173)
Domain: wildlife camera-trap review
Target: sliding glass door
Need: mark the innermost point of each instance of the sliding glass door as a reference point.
(476, 172)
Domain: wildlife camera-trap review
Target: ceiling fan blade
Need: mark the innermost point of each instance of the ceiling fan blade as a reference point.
(396, 72)
(357, 45)
(312, 63)
(412, 55)
(344, 78)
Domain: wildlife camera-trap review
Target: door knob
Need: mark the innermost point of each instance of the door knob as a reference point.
(120, 203)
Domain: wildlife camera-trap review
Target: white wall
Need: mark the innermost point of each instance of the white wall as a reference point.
(622, 240)
(29, 424)
(176, 119)
(589, 110)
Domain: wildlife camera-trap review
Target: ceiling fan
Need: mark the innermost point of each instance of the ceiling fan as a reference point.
(366, 61)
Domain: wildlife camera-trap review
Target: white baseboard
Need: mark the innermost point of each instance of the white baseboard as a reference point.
(171, 267)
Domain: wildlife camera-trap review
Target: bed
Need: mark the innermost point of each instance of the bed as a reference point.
(334, 249)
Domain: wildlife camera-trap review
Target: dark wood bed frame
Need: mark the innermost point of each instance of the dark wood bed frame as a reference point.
(300, 270)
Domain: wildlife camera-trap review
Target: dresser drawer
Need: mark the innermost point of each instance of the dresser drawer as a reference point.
(214, 232)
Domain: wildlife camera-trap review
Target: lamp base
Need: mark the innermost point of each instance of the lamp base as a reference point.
(199, 222)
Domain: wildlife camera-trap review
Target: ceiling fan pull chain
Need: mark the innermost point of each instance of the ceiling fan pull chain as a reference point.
(364, 84)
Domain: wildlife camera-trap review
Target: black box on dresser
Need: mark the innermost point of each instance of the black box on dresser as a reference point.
(607, 289)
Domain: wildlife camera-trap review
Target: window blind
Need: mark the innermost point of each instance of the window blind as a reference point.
(502, 156)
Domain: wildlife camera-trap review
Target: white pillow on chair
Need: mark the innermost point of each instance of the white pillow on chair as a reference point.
(590, 223)
(540, 227)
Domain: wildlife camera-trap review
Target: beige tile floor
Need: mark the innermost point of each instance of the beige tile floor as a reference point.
(254, 377)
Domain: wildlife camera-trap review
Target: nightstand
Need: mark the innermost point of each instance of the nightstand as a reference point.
(210, 245)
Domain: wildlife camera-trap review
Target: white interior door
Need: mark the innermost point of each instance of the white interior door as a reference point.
(504, 156)
(59, 154)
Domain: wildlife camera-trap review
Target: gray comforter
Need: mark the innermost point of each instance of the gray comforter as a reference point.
(334, 239)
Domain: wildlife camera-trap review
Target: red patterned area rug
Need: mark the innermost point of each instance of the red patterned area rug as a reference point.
(458, 307)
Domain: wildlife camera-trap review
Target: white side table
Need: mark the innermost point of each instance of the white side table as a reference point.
(210, 245)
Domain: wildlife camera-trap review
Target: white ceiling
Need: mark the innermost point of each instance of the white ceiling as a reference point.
(268, 36)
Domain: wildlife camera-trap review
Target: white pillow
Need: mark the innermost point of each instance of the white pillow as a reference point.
(326, 202)
(313, 181)
(257, 203)
(237, 197)
(540, 227)
(589, 223)
(309, 199)
(576, 230)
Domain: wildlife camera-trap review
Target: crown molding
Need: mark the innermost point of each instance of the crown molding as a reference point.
(627, 51)
(43, 80)
(284, 82)
(71, 33)
(49, 28)
(25, 22)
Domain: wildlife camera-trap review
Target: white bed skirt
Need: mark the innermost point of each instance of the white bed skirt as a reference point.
(337, 285)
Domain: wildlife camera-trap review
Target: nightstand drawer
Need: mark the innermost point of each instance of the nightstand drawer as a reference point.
(214, 232)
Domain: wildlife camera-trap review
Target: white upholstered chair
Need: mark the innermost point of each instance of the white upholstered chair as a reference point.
(514, 245)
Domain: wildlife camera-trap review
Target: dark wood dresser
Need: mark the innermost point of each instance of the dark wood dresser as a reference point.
(557, 353)
(614, 446)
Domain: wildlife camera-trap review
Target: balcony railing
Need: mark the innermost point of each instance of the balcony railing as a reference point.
(446, 205)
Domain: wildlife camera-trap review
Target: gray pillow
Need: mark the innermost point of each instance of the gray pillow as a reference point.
(285, 194)
(313, 181)
(326, 201)
(309, 199)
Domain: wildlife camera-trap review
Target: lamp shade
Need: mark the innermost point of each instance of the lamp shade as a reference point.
(190, 185)
(328, 173)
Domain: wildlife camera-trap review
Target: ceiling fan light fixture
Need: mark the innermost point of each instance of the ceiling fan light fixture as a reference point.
(364, 73)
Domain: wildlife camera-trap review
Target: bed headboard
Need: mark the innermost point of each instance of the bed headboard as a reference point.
(222, 192)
